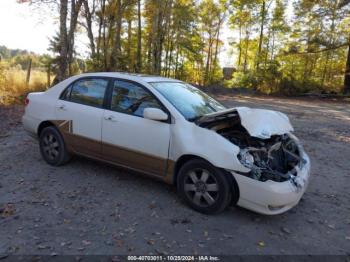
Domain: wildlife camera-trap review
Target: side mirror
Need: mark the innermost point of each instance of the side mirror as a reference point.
(154, 114)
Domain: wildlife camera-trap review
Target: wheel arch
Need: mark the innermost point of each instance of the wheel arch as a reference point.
(188, 157)
(180, 162)
(43, 125)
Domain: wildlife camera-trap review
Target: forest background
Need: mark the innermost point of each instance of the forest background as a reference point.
(274, 46)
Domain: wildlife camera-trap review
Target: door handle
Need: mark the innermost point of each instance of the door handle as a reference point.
(110, 118)
(61, 107)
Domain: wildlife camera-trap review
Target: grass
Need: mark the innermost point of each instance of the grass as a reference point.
(13, 87)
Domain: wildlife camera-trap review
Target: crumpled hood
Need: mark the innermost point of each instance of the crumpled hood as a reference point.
(260, 123)
(264, 123)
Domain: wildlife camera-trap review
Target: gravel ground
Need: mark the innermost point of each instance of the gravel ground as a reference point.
(87, 207)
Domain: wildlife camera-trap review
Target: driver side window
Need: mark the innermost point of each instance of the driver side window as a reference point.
(132, 99)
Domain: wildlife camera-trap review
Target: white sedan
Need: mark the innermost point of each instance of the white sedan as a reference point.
(172, 131)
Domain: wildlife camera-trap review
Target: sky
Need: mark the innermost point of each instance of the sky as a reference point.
(24, 26)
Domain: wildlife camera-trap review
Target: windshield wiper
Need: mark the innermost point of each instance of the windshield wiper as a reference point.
(193, 119)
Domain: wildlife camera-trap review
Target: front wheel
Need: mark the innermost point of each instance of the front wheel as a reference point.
(52, 147)
(204, 187)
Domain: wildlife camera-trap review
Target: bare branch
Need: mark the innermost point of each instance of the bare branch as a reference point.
(318, 51)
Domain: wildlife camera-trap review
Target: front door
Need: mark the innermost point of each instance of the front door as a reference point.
(130, 140)
(79, 114)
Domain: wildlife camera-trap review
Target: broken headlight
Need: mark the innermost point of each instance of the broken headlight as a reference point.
(246, 159)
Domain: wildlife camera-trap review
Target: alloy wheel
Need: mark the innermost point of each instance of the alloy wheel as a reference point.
(201, 187)
(50, 146)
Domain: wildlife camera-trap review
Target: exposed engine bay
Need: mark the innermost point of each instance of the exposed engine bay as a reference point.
(274, 158)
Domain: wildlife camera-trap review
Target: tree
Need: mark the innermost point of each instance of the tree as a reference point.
(262, 24)
(138, 67)
(211, 19)
(347, 73)
(243, 13)
(115, 62)
(307, 50)
(89, 14)
(278, 27)
(324, 37)
(346, 90)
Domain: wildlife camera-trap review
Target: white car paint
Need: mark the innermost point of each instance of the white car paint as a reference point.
(261, 123)
(87, 120)
(264, 123)
(173, 140)
(136, 133)
(271, 197)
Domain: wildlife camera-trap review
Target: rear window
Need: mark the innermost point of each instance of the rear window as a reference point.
(87, 92)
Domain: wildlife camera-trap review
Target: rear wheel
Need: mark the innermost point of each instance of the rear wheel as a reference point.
(204, 187)
(52, 147)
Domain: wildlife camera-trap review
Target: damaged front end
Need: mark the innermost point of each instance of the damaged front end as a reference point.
(277, 158)
(267, 148)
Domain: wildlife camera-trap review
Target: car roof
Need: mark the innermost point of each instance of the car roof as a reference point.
(132, 76)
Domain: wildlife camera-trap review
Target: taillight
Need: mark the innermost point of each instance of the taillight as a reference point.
(26, 101)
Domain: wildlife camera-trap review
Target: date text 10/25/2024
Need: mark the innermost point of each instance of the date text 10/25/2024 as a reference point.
(173, 258)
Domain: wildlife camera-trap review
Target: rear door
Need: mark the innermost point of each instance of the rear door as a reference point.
(130, 140)
(79, 114)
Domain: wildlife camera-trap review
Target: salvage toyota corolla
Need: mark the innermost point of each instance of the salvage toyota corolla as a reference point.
(171, 130)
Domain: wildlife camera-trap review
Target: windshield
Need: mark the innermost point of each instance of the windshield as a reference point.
(190, 101)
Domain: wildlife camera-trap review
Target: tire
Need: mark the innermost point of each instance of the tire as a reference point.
(52, 147)
(204, 187)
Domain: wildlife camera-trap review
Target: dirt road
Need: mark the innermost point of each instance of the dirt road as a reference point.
(88, 207)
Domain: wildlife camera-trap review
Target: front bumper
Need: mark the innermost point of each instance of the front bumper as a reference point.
(272, 198)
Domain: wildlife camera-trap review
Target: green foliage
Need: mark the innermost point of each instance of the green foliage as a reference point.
(279, 46)
(243, 80)
(306, 54)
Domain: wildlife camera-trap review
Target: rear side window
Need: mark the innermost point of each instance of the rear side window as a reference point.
(66, 93)
(131, 99)
(89, 92)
